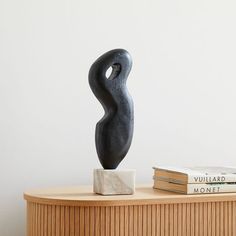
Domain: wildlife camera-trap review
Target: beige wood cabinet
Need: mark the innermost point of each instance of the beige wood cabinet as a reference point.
(77, 211)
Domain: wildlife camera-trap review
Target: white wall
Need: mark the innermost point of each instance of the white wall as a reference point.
(183, 83)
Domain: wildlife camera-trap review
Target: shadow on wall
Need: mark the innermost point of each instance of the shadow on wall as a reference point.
(14, 220)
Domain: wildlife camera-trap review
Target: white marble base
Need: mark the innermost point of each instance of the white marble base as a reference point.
(113, 182)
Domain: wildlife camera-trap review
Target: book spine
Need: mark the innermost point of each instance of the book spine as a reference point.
(210, 188)
(211, 178)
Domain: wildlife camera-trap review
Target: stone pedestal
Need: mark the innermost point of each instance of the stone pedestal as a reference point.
(113, 182)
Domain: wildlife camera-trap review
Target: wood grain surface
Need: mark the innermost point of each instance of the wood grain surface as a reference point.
(84, 196)
(185, 215)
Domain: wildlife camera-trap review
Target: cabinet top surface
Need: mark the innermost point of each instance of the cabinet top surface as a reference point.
(84, 196)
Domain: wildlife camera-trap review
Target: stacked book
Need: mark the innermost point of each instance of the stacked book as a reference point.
(195, 180)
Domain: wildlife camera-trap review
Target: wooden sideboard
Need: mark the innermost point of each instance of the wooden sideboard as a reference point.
(77, 211)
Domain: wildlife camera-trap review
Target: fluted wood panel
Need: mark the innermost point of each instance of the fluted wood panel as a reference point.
(182, 219)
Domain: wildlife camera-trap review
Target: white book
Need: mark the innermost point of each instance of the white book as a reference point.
(196, 188)
(198, 174)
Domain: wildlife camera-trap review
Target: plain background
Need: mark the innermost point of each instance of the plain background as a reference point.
(183, 84)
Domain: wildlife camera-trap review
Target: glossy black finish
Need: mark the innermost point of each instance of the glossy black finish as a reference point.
(114, 131)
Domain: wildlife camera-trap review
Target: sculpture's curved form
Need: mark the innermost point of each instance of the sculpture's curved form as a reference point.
(114, 131)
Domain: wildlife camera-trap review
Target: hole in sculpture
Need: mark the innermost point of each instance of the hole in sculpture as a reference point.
(113, 71)
(108, 72)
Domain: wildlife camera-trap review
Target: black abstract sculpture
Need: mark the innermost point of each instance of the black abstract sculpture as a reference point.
(114, 131)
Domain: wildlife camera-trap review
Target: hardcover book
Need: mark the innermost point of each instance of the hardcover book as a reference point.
(184, 175)
(196, 188)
